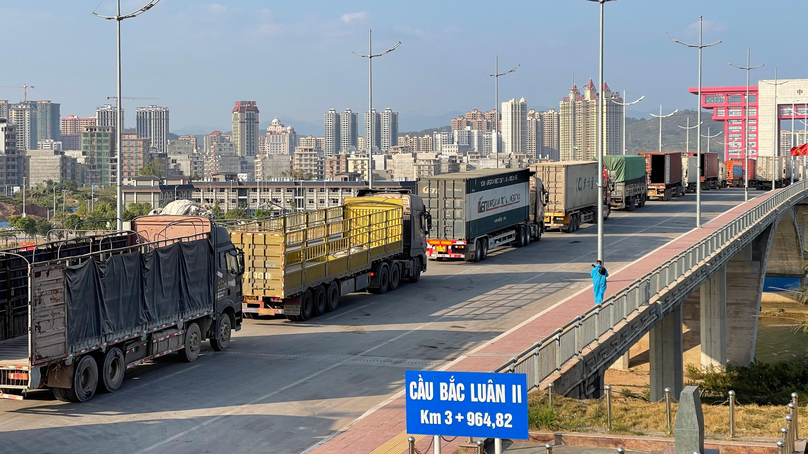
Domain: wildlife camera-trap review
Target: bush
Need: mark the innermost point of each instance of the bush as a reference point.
(759, 383)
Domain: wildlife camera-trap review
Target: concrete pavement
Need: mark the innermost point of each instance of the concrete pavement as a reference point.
(284, 386)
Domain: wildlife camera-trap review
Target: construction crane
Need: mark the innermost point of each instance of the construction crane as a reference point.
(25, 88)
(126, 97)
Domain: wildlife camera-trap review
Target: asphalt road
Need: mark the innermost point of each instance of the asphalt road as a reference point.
(282, 387)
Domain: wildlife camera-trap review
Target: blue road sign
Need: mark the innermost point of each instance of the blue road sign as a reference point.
(467, 404)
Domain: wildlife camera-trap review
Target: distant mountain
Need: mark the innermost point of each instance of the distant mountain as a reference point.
(197, 130)
(426, 131)
(643, 134)
(413, 121)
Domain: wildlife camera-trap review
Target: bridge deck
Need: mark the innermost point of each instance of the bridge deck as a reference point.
(384, 430)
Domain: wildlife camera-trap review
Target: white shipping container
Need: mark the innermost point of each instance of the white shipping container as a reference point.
(690, 169)
(572, 185)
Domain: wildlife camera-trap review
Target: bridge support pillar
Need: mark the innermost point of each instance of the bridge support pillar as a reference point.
(666, 352)
(713, 320)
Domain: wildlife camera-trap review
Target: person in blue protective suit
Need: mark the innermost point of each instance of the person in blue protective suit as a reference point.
(599, 275)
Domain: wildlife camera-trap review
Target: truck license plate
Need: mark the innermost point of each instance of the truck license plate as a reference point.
(441, 248)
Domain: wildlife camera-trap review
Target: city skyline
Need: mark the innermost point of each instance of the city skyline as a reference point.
(157, 40)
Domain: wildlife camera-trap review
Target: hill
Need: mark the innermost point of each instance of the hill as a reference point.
(643, 134)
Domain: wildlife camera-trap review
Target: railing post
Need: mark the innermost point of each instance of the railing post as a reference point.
(550, 392)
(548, 448)
(558, 361)
(536, 368)
(789, 435)
(411, 443)
(668, 409)
(579, 347)
(731, 414)
(597, 323)
(795, 399)
(480, 447)
(608, 389)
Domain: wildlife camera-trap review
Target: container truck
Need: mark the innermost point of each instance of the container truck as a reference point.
(768, 169)
(76, 314)
(628, 181)
(722, 174)
(300, 265)
(664, 171)
(571, 193)
(690, 173)
(480, 210)
(735, 172)
(710, 170)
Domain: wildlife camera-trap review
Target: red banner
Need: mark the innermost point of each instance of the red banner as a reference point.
(801, 150)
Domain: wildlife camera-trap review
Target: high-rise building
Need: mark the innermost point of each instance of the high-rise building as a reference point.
(50, 165)
(349, 130)
(73, 125)
(280, 139)
(3, 108)
(534, 134)
(24, 117)
(439, 139)
(48, 118)
(9, 170)
(389, 130)
(578, 124)
(107, 115)
(476, 120)
(210, 140)
(134, 154)
(377, 129)
(514, 126)
(190, 139)
(245, 128)
(549, 125)
(98, 149)
(612, 122)
(152, 123)
(333, 133)
(310, 161)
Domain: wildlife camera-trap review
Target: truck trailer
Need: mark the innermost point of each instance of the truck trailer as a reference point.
(664, 174)
(769, 169)
(628, 181)
(690, 174)
(299, 265)
(76, 314)
(735, 172)
(480, 210)
(710, 170)
(572, 193)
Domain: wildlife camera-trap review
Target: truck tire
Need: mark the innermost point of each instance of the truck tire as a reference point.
(193, 343)
(384, 280)
(112, 371)
(539, 232)
(85, 382)
(416, 271)
(395, 276)
(484, 251)
(306, 306)
(221, 337)
(332, 295)
(527, 235)
(630, 204)
(478, 251)
(319, 302)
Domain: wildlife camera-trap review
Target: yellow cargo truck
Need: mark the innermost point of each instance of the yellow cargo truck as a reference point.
(299, 265)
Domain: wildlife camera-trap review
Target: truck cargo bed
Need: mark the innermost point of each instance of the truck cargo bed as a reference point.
(14, 352)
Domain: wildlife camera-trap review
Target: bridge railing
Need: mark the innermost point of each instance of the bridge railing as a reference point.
(549, 355)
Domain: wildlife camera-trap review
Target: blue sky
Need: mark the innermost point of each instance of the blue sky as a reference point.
(294, 57)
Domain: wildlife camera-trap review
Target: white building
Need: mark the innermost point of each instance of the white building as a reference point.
(24, 117)
(439, 139)
(514, 126)
(389, 130)
(107, 115)
(152, 123)
(333, 133)
(280, 139)
(375, 123)
(9, 170)
(349, 130)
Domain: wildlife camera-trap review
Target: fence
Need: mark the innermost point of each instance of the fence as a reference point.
(568, 342)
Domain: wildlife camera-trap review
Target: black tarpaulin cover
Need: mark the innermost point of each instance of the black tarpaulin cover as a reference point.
(130, 291)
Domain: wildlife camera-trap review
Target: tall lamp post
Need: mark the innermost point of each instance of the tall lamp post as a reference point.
(660, 116)
(708, 137)
(370, 56)
(601, 115)
(700, 46)
(687, 134)
(746, 68)
(776, 153)
(625, 104)
(118, 18)
(496, 76)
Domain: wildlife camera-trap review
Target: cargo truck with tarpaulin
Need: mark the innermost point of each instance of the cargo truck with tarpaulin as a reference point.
(735, 172)
(627, 180)
(474, 212)
(299, 265)
(571, 189)
(710, 170)
(76, 314)
(664, 171)
(769, 169)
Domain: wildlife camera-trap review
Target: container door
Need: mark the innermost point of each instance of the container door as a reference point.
(48, 314)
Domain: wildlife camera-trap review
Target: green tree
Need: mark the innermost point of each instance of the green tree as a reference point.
(156, 168)
(26, 224)
(297, 174)
(43, 226)
(136, 209)
(261, 213)
(237, 213)
(218, 213)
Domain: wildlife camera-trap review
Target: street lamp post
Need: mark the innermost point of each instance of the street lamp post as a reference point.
(708, 136)
(660, 116)
(700, 46)
(496, 76)
(118, 18)
(370, 56)
(625, 104)
(746, 68)
(687, 134)
(776, 153)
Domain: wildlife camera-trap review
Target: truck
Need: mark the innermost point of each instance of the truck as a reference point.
(76, 314)
(299, 265)
(735, 172)
(571, 196)
(628, 181)
(768, 169)
(481, 210)
(690, 175)
(710, 170)
(664, 171)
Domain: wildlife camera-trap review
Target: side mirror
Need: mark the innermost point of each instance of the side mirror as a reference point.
(546, 197)
(426, 222)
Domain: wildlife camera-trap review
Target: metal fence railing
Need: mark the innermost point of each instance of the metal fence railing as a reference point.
(568, 342)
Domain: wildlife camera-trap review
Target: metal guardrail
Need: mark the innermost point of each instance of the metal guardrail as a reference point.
(550, 354)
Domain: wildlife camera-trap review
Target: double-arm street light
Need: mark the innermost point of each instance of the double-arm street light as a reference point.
(496, 76)
(700, 46)
(746, 68)
(687, 134)
(708, 137)
(776, 153)
(370, 56)
(660, 116)
(626, 104)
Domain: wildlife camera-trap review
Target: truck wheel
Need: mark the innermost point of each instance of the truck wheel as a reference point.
(630, 204)
(384, 280)
(306, 306)
(193, 343)
(113, 371)
(332, 296)
(319, 301)
(416, 273)
(527, 235)
(221, 338)
(85, 382)
(478, 251)
(484, 252)
(395, 277)
(539, 232)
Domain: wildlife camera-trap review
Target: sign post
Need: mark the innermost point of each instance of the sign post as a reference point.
(466, 404)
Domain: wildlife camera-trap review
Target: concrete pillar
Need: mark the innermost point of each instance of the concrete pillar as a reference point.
(713, 320)
(666, 351)
(622, 362)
